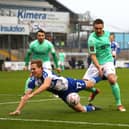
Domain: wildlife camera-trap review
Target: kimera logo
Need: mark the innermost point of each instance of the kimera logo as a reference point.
(30, 15)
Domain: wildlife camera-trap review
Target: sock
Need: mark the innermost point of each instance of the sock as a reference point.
(97, 79)
(26, 84)
(89, 108)
(62, 67)
(116, 93)
(93, 89)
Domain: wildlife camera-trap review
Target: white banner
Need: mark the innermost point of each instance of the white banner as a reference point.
(122, 64)
(86, 28)
(14, 29)
(8, 20)
(48, 21)
(43, 16)
(8, 65)
(49, 27)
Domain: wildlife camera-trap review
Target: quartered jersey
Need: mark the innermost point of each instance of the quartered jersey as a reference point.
(59, 85)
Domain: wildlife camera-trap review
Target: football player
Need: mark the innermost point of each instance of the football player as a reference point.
(66, 88)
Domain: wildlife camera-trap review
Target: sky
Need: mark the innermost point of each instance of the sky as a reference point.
(113, 12)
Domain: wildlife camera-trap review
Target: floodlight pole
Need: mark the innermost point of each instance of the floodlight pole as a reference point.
(78, 28)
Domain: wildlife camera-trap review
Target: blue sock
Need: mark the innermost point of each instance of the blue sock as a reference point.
(89, 108)
(97, 79)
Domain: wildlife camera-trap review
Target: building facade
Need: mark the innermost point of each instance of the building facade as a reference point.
(20, 20)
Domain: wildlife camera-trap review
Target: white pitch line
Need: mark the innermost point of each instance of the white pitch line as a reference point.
(31, 101)
(66, 122)
(10, 95)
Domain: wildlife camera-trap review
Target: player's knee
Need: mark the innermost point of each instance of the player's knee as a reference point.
(112, 79)
(89, 84)
(23, 97)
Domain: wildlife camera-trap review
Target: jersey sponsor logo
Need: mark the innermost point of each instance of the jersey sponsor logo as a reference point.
(105, 46)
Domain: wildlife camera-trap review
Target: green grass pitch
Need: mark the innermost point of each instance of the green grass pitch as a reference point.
(46, 112)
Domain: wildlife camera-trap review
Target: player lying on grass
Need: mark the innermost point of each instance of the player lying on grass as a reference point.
(66, 88)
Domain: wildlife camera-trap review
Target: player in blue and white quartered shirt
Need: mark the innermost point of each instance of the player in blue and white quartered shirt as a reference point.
(66, 88)
(114, 47)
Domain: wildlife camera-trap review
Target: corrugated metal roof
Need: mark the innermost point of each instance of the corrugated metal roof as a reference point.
(26, 3)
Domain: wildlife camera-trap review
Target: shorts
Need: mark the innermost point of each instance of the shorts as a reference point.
(92, 72)
(47, 65)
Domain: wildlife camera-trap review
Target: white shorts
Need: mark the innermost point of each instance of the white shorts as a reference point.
(61, 63)
(114, 53)
(47, 65)
(108, 68)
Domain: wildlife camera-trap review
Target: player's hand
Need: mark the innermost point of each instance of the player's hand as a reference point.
(25, 68)
(58, 70)
(15, 113)
(100, 72)
(30, 95)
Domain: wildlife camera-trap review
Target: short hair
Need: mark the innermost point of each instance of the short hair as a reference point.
(112, 34)
(37, 62)
(98, 21)
(42, 31)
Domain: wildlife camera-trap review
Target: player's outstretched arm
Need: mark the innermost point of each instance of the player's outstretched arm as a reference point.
(43, 87)
(21, 104)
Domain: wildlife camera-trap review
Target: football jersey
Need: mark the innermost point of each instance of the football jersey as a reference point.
(100, 45)
(41, 50)
(113, 46)
(62, 56)
(59, 85)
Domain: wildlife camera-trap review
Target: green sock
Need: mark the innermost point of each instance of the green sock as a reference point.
(116, 93)
(93, 89)
(62, 68)
(26, 84)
